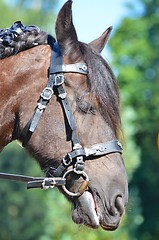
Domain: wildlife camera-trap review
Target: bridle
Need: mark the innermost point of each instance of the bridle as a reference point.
(74, 160)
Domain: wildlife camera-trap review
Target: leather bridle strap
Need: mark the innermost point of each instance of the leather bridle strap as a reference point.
(79, 154)
(32, 182)
(56, 79)
(96, 150)
(69, 115)
(57, 68)
(55, 83)
(100, 149)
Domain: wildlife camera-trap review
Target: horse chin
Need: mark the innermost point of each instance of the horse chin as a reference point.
(84, 211)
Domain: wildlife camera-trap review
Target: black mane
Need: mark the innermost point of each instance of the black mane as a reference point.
(19, 37)
(103, 84)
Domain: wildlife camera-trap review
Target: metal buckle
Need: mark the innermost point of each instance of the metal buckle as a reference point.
(84, 68)
(83, 186)
(67, 159)
(48, 183)
(59, 79)
(47, 93)
(62, 95)
(41, 106)
(79, 165)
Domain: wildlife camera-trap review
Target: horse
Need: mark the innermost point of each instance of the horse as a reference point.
(60, 99)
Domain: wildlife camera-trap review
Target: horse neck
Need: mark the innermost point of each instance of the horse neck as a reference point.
(22, 78)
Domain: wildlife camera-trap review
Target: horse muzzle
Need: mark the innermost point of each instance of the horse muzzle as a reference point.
(92, 212)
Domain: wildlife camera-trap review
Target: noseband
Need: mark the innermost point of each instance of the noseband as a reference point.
(74, 161)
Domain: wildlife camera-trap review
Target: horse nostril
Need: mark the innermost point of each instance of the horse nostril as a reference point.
(119, 205)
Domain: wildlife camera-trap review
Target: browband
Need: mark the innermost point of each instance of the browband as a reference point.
(76, 68)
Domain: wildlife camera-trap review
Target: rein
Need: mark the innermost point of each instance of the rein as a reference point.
(74, 161)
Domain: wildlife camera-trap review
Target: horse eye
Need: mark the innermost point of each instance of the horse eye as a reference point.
(85, 107)
(92, 110)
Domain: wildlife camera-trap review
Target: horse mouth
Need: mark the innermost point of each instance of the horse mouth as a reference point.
(87, 212)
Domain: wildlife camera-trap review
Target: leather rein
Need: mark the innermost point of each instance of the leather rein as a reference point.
(74, 161)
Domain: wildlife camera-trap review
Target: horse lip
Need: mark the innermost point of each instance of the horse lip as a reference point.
(85, 211)
(109, 227)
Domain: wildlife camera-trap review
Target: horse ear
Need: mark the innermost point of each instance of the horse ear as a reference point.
(65, 31)
(99, 43)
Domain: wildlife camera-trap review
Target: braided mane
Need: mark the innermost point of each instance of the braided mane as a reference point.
(19, 37)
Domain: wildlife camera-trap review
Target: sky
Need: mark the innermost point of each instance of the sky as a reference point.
(92, 17)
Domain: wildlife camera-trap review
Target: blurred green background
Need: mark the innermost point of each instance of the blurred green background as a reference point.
(46, 215)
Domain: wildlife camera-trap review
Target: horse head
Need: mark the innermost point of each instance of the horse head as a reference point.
(94, 103)
(95, 106)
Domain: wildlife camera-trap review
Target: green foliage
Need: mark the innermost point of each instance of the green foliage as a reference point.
(31, 12)
(21, 210)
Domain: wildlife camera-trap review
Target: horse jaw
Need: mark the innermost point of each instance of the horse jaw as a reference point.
(85, 213)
